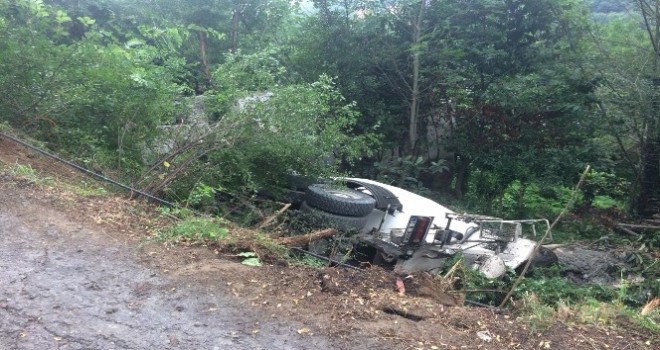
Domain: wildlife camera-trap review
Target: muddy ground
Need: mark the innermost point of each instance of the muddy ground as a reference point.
(80, 271)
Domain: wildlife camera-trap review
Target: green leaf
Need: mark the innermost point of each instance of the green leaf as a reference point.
(133, 43)
(86, 21)
(62, 17)
(251, 262)
(247, 254)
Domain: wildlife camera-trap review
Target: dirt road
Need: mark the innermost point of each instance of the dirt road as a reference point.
(66, 285)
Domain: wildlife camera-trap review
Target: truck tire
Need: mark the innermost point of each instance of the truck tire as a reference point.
(384, 198)
(543, 258)
(339, 201)
(300, 182)
(340, 222)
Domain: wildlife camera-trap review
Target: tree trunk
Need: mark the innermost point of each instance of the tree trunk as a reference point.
(414, 98)
(461, 176)
(235, 20)
(324, 8)
(648, 198)
(202, 49)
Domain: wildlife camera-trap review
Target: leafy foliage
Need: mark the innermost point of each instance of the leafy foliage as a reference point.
(514, 98)
(275, 129)
(501, 103)
(196, 229)
(250, 259)
(95, 99)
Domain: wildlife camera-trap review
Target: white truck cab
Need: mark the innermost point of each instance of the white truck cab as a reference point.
(418, 233)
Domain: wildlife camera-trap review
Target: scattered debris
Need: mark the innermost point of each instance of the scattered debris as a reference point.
(650, 306)
(303, 240)
(400, 287)
(269, 220)
(485, 336)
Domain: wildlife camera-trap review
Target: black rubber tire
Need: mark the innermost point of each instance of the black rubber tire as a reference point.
(299, 182)
(340, 201)
(383, 196)
(294, 197)
(543, 258)
(340, 222)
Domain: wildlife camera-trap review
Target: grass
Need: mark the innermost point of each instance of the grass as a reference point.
(221, 233)
(28, 173)
(650, 321)
(86, 189)
(195, 230)
(539, 315)
(546, 297)
(308, 261)
(547, 300)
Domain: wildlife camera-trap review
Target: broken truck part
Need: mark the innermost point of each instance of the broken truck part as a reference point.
(418, 234)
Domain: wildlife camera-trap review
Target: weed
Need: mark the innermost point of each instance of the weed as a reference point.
(24, 171)
(551, 289)
(536, 314)
(202, 195)
(20, 170)
(541, 315)
(267, 243)
(650, 321)
(195, 229)
(250, 259)
(478, 287)
(308, 260)
(28, 173)
(89, 190)
(177, 213)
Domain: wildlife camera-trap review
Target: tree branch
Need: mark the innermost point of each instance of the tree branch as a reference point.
(545, 235)
(306, 238)
(646, 23)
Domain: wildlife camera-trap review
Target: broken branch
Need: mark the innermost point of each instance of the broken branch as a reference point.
(302, 240)
(545, 235)
(643, 227)
(272, 218)
(627, 230)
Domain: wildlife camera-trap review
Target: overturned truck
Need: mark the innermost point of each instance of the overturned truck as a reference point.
(414, 233)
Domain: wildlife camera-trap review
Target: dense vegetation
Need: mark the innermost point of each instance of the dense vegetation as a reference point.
(496, 106)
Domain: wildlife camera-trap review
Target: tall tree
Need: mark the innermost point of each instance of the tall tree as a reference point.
(628, 100)
(648, 200)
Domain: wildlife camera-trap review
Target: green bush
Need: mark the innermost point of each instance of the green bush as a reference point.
(307, 128)
(195, 230)
(93, 98)
(531, 200)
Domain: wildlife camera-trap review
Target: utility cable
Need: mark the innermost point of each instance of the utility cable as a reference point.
(89, 172)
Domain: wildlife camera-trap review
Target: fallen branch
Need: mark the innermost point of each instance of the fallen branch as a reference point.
(650, 306)
(643, 227)
(545, 235)
(296, 241)
(620, 227)
(269, 220)
(555, 245)
(338, 263)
